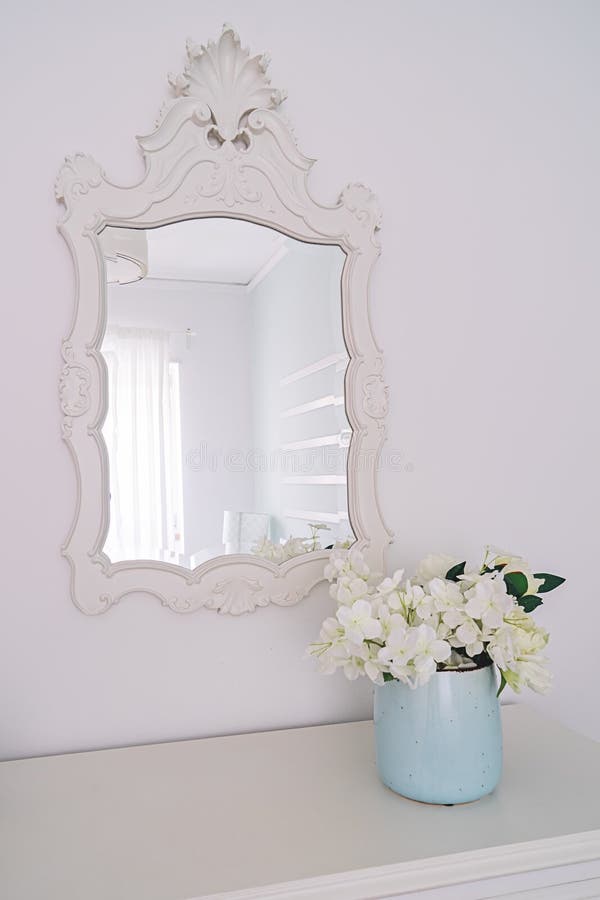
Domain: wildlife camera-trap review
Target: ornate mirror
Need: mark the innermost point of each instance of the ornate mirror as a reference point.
(222, 391)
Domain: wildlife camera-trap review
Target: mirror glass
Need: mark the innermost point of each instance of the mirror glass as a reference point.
(226, 428)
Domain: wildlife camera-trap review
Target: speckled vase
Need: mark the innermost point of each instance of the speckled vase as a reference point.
(442, 742)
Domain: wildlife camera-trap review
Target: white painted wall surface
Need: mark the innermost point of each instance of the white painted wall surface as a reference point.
(297, 322)
(477, 124)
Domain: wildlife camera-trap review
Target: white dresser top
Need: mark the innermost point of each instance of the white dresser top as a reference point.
(195, 818)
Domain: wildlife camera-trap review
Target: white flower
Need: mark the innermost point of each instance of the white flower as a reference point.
(357, 563)
(350, 563)
(388, 590)
(489, 601)
(389, 620)
(398, 652)
(364, 660)
(279, 553)
(446, 594)
(268, 550)
(532, 673)
(393, 600)
(470, 578)
(428, 650)
(358, 622)
(436, 565)
(413, 597)
(330, 650)
(350, 589)
(511, 563)
(470, 636)
(500, 557)
(443, 631)
(338, 563)
(455, 617)
(391, 584)
(375, 667)
(353, 668)
(294, 547)
(517, 649)
(530, 636)
(502, 647)
(426, 612)
(412, 654)
(448, 601)
(331, 630)
(331, 658)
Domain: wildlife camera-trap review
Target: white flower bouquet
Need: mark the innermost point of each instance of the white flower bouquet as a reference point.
(297, 546)
(445, 617)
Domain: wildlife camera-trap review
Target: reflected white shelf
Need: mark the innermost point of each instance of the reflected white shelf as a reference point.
(315, 479)
(339, 360)
(315, 515)
(341, 439)
(319, 403)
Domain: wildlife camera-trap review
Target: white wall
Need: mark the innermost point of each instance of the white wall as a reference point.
(297, 321)
(476, 123)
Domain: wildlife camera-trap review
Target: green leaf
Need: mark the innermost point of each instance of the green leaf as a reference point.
(550, 582)
(387, 676)
(530, 602)
(516, 583)
(453, 573)
(502, 683)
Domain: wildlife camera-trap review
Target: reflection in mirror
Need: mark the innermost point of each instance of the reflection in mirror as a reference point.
(226, 428)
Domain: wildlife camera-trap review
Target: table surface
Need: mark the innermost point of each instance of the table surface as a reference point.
(179, 820)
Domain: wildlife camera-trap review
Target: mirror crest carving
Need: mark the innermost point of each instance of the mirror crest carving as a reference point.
(221, 150)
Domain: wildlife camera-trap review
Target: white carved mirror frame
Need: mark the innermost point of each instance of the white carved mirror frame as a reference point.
(220, 148)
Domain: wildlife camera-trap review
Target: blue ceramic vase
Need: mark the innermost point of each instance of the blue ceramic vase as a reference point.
(442, 742)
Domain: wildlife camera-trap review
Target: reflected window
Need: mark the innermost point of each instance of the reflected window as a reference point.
(143, 437)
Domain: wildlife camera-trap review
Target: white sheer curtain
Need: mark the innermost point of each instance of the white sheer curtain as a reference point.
(143, 436)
